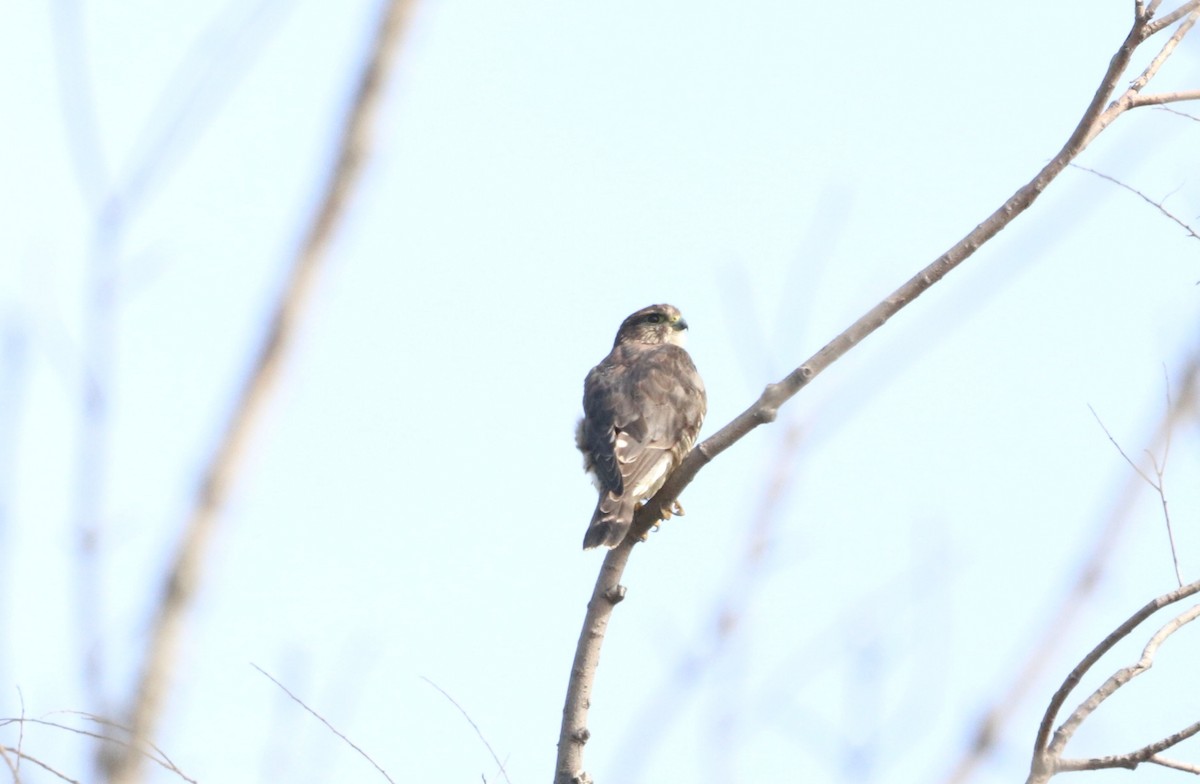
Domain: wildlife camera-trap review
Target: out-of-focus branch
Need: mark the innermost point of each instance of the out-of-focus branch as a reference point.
(113, 200)
(573, 733)
(1047, 752)
(183, 576)
(78, 103)
(205, 77)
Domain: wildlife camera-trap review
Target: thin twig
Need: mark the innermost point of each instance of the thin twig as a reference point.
(150, 750)
(573, 733)
(147, 750)
(322, 719)
(1157, 484)
(1191, 117)
(183, 576)
(474, 726)
(21, 728)
(43, 765)
(1156, 204)
(13, 767)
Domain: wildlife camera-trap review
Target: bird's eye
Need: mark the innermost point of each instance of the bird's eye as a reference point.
(654, 318)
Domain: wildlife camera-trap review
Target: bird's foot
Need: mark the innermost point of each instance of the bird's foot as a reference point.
(667, 512)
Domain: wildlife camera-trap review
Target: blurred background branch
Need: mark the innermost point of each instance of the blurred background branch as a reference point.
(184, 574)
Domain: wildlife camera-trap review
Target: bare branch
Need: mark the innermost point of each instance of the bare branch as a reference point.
(183, 577)
(1136, 35)
(1133, 758)
(14, 767)
(1191, 117)
(1119, 679)
(1155, 99)
(205, 76)
(607, 591)
(1187, 767)
(1156, 204)
(147, 750)
(1164, 22)
(1157, 484)
(21, 728)
(77, 102)
(987, 730)
(44, 766)
(1044, 756)
(474, 726)
(322, 719)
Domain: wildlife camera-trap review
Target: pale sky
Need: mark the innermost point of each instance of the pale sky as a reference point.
(413, 502)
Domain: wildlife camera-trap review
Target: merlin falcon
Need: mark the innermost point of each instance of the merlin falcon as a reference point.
(642, 409)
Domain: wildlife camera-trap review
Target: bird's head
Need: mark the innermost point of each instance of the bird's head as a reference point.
(653, 326)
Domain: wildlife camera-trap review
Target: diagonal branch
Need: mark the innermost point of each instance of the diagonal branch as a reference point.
(183, 577)
(607, 592)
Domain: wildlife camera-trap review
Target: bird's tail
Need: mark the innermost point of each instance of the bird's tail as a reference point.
(610, 521)
(605, 533)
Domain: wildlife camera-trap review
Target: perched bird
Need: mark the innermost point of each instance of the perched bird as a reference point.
(642, 409)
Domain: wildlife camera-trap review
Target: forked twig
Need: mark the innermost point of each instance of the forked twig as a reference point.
(1047, 753)
(1156, 483)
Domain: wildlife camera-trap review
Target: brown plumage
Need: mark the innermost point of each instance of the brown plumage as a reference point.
(642, 409)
